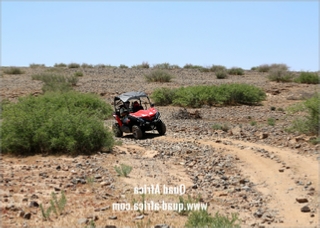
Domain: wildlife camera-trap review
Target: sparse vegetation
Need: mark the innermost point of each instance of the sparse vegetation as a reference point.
(203, 219)
(13, 70)
(69, 123)
(122, 66)
(221, 74)
(73, 65)
(271, 121)
(165, 66)
(280, 73)
(56, 206)
(185, 202)
(223, 127)
(158, 76)
(218, 68)
(308, 78)
(55, 82)
(310, 122)
(85, 65)
(60, 65)
(34, 65)
(144, 65)
(236, 71)
(78, 74)
(123, 170)
(197, 96)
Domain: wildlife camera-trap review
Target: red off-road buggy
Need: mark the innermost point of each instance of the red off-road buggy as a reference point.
(145, 118)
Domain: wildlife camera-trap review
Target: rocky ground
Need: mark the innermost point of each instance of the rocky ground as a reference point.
(269, 177)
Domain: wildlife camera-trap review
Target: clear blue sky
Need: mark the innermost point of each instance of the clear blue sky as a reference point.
(230, 33)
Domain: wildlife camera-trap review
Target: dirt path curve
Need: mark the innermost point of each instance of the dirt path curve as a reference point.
(280, 174)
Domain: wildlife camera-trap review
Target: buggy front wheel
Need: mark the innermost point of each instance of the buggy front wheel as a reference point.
(137, 132)
(116, 130)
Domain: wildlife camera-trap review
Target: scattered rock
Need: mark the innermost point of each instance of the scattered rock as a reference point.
(305, 209)
(302, 200)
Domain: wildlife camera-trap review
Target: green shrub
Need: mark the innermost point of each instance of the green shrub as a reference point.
(13, 70)
(123, 66)
(163, 96)
(236, 71)
(60, 65)
(308, 78)
(203, 219)
(218, 68)
(223, 127)
(279, 73)
(34, 65)
(185, 203)
(162, 66)
(272, 108)
(68, 122)
(197, 96)
(55, 205)
(56, 83)
(158, 76)
(221, 74)
(144, 65)
(78, 74)
(85, 65)
(123, 170)
(310, 123)
(190, 66)
(73, 65)
(263, 68)
(271, 121)
(253, 123)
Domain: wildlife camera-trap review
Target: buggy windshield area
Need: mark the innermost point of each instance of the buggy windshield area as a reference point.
(135, 101)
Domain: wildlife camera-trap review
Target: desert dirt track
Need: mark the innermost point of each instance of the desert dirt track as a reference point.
(261, 172)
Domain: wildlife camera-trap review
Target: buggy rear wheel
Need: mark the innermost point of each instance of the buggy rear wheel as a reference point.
(137, 132)
(161, 128)
(116, 130)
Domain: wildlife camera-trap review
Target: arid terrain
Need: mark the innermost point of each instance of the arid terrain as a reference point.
(269, 177)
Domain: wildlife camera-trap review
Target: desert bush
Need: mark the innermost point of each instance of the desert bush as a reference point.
(218, 68)
(13, 70)
(202, 218)
(221, 74)
(263, 68)
(56, 82)
(60, 65)
(57, 206)
(73, 65)
(223, 127)
(271, 121)
(163, 96)
(144, 65)
(123, 66)
(158, 76)
(310, 123)
(78, 74)
(279, 73)
(69, 122)
(235, 71)
(190, 66)
(162, 66)
(34, 65)
(123, 170)
(196, 96)
(85, 65)
(308, 78)
(185, 202)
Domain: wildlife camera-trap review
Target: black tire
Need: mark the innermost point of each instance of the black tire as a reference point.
(137, 132)
(161, 128)
(116, 130)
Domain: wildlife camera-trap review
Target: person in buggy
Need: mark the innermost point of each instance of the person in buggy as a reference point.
(136, 106)
(124, 112)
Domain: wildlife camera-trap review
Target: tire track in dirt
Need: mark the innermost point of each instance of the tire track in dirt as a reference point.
(276, 178)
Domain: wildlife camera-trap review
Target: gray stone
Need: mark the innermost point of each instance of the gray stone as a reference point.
(305, 209)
